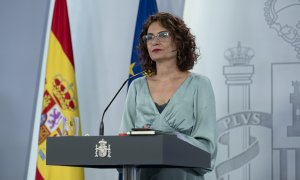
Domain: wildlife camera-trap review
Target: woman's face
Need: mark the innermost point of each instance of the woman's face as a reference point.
(160, 44)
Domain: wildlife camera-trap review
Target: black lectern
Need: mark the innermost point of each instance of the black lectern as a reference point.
(125, 152)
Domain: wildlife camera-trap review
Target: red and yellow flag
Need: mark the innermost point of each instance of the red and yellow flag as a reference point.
(60, 111)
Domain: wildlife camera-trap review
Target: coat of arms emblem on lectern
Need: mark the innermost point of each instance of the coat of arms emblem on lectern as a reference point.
(102, 149)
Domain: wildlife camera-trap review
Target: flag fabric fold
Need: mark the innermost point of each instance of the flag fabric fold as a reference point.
(60, 109)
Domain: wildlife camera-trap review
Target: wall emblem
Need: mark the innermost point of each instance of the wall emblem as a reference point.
(249, 138)
(103, 149)
(278, 18)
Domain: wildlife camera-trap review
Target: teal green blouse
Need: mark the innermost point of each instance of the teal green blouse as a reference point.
(190, 113)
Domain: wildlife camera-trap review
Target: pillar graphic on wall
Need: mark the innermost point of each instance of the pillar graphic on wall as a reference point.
(238, 76)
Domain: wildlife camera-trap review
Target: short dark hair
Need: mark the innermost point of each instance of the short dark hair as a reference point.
(187, 52)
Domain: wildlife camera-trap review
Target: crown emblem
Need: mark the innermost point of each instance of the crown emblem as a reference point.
(63, 93)
(103, 149)
(283, 18)
(239, 55)
(47, 99)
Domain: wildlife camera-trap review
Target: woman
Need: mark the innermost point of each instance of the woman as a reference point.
(172, 100)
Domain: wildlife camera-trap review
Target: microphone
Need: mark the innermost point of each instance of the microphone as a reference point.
(101, 128)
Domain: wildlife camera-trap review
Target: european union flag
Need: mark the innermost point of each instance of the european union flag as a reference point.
(146, 8)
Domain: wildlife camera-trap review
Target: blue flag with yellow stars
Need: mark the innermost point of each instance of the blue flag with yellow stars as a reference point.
(146, 8)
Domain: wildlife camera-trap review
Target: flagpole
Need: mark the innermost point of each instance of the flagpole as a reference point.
(31, 169)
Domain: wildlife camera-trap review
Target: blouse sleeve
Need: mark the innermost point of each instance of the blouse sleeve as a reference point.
(129, 113)
(204, 131)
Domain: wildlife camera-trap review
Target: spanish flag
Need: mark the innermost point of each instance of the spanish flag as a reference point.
(60, 110)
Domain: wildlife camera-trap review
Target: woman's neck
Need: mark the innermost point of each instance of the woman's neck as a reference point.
(168, 71)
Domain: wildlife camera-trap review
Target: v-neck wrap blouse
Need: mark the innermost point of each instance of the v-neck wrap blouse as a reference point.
(190, 112)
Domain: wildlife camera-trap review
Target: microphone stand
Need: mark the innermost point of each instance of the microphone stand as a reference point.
(101, 128)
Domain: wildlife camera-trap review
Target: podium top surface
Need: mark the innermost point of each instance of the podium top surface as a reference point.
(119, 151)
